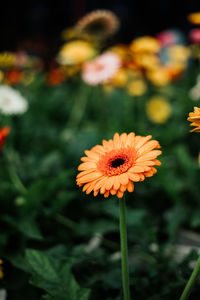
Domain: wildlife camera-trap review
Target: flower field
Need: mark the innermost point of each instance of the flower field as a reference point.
(105, 124)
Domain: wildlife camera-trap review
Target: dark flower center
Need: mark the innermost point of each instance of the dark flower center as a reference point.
(117, 162)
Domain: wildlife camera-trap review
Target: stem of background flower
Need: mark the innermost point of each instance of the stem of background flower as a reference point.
(191, 281)
(13, 174)
(79, 106)
(124, 249)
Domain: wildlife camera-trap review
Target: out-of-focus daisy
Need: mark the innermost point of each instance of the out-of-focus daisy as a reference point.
(1, 269)
(120, 78)
(194, 35)
(194, 117)
(76, 52)
(7, 59)
(11, 101)
(194, 18)
(147, 60)
(55, 76)
(3, 134)
(112, 168)
(136, 88)
(158, 110)
(13, 76)
(179, 54)
(98, 24)
(145, 44)
(101, 69)
(194, 93)
(159, 76)
(170, 37)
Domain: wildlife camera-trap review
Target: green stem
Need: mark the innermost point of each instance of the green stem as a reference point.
(78, 110)
(124, 249)
(13, 174)
(65, 221)
(191, 281)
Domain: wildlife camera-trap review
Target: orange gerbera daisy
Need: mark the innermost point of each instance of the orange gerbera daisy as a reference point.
(3, 134)
(112, 168)
(194, 117)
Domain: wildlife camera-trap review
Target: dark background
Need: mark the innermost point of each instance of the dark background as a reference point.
(36, 25)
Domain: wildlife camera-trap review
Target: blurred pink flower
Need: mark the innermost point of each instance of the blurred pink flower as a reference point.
(194, 35)
(167, 38)
(101, 69)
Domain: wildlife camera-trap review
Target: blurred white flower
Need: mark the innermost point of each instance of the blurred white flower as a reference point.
(3, 294)
(194, 93)
(11, 101)
(94, 243)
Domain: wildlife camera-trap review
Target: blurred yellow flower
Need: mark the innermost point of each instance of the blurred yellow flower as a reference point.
(179, 54)
(194, 18)
(76, 52)
(120, 78)
(1, 76)
(145, 44)
(137, 87)
(158, 110)
(147, 60)
(1, 269)
(159, 76)
(7, 59)
(122, 50)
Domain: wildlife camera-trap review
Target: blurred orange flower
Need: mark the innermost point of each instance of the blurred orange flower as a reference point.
(3, 134)
(194, 117)
(112, 168)
(1, 269)
(55, 77)
(13, 76)
(194, 18)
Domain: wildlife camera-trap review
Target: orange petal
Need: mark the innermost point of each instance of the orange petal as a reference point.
(148, 147)
(142, 141)
(87, 166)
(120, 194)
(113, 192)
(136, 169)
(150, 155)
(134, 177)
(130, 186)
(130, 139)
(90, 177)
(122, 188)
(116, 184)
(110, 182)
(106, 194)
(116, 140)
(96, 193)
(123, 178)
(92, 154)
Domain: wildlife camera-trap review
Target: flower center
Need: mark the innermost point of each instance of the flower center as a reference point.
(117, 161)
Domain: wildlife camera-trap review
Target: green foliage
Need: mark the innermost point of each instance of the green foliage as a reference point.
(54, 277)
(47, 224)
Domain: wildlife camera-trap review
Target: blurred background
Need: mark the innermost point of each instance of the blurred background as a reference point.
(36, 25)
(68, 81)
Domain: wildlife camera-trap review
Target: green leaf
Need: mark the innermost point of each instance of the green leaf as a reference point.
(54, 276)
